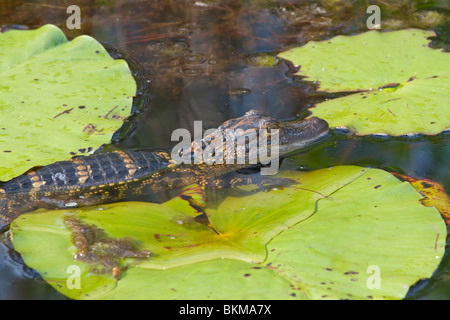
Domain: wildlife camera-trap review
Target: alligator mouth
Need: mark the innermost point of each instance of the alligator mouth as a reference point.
(303, 133)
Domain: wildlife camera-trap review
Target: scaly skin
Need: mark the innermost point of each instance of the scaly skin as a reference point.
(112, 176)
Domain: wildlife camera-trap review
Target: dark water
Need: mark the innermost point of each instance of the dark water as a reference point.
(215, 60)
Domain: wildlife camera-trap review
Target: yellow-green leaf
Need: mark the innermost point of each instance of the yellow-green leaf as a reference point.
(319, 238)
(57, 98)
(400, 85)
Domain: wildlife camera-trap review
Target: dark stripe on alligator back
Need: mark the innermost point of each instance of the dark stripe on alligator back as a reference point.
(88, 171)
(112, 176)
(82, 180)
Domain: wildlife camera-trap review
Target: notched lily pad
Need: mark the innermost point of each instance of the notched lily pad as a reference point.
(315, 239)
(57, 98)
(400, 84)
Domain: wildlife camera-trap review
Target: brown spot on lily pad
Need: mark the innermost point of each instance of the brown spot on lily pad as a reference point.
(64, 112)
(104, 254)
(425, 184)
(351, 272)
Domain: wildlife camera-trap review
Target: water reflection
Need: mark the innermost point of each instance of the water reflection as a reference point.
(204, 62)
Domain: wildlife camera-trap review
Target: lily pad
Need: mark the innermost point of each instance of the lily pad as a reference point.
(57, 98)
(360, 244)
(400, 85)
(284, 243)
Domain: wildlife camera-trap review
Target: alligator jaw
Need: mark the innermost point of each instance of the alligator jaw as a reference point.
(303, 133)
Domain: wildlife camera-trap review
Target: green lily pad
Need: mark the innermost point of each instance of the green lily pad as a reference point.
(172, 235)
(401, 85)
(313, 239)
(57, 98)
(361, 244)
(214, 279)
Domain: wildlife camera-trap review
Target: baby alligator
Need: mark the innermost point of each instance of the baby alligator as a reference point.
(112, 176)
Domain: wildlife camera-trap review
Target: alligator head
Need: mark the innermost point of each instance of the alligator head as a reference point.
(253, 138)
